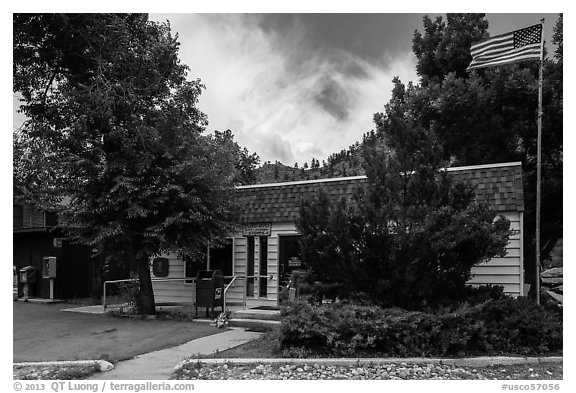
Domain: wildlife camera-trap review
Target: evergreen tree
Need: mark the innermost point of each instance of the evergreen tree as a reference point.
(411, 237)
(445, 46)
(246, 163)
(489, 115)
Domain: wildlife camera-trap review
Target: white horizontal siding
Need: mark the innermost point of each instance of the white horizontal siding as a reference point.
(497, 270)
(495, 279)
(173, 291)
(236, 293)
(506, 271)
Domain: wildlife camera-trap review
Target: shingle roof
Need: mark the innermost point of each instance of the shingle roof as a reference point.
(499, 184)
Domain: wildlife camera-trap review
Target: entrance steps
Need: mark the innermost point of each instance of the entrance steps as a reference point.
(255, 319)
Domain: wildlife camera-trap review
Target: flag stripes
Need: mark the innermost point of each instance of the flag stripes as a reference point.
(518, 45)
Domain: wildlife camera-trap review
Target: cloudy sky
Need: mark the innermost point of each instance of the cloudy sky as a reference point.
(296, 86)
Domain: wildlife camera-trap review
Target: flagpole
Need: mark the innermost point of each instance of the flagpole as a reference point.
(538, 166)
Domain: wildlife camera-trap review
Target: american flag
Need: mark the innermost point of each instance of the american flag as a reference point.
(518, 45)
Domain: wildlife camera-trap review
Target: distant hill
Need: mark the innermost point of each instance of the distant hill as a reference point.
(347, 162)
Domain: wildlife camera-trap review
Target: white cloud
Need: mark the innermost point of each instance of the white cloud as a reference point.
(282, 99)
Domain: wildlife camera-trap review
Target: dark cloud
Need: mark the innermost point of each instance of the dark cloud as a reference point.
(333, 98)
(352, 68)
(370, 35)
(365, 35)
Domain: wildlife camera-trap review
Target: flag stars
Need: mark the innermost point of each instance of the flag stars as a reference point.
(528, 36)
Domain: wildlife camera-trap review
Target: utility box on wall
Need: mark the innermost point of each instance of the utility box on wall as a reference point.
(49, 267)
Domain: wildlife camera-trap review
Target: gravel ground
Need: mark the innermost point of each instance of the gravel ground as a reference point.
(52, 372)
(193, 370)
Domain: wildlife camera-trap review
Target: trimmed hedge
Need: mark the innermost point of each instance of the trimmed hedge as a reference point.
(495, 327)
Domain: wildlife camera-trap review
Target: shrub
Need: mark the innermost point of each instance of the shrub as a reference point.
(495, 327)
(476, 295)
(129, 292)
(521, 326)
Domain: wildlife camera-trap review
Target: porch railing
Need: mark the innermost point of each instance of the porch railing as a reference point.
(104, 302)
(234, 278)
(188, 279)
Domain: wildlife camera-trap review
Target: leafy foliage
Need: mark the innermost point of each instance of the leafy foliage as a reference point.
(111, 110)
(445, 46)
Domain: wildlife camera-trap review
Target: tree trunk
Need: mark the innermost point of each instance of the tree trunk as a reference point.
(97, 277)
(147, 305)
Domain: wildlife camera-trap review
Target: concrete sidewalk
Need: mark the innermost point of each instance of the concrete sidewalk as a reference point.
(160, 364)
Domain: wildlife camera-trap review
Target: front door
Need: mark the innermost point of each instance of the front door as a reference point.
(290, 259)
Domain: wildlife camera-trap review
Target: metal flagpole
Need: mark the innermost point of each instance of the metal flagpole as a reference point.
(538, 166)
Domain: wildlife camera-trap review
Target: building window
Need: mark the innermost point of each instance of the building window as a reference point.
(18, 220)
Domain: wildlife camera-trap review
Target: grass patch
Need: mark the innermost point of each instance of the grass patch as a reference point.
(266, 346)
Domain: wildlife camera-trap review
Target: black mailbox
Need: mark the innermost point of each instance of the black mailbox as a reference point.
(209, 290)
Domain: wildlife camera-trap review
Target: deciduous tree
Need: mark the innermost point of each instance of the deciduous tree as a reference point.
(110, 104)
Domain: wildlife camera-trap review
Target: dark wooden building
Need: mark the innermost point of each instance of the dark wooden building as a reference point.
(78, 274)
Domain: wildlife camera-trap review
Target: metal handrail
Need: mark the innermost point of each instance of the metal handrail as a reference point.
(135, 279)
(224, 294)
(110, 282)
(269, 277)
(234, 278)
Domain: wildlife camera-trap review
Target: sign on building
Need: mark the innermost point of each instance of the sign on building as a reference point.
(260, 229)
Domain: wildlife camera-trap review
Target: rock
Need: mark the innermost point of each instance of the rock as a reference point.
(555, 296)
(103, 365)
(555, 272)
(552, 280)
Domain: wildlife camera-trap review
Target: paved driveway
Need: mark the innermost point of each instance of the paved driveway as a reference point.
(41, 332)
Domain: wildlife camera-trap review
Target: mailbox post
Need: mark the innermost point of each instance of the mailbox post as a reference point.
(209, 290)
